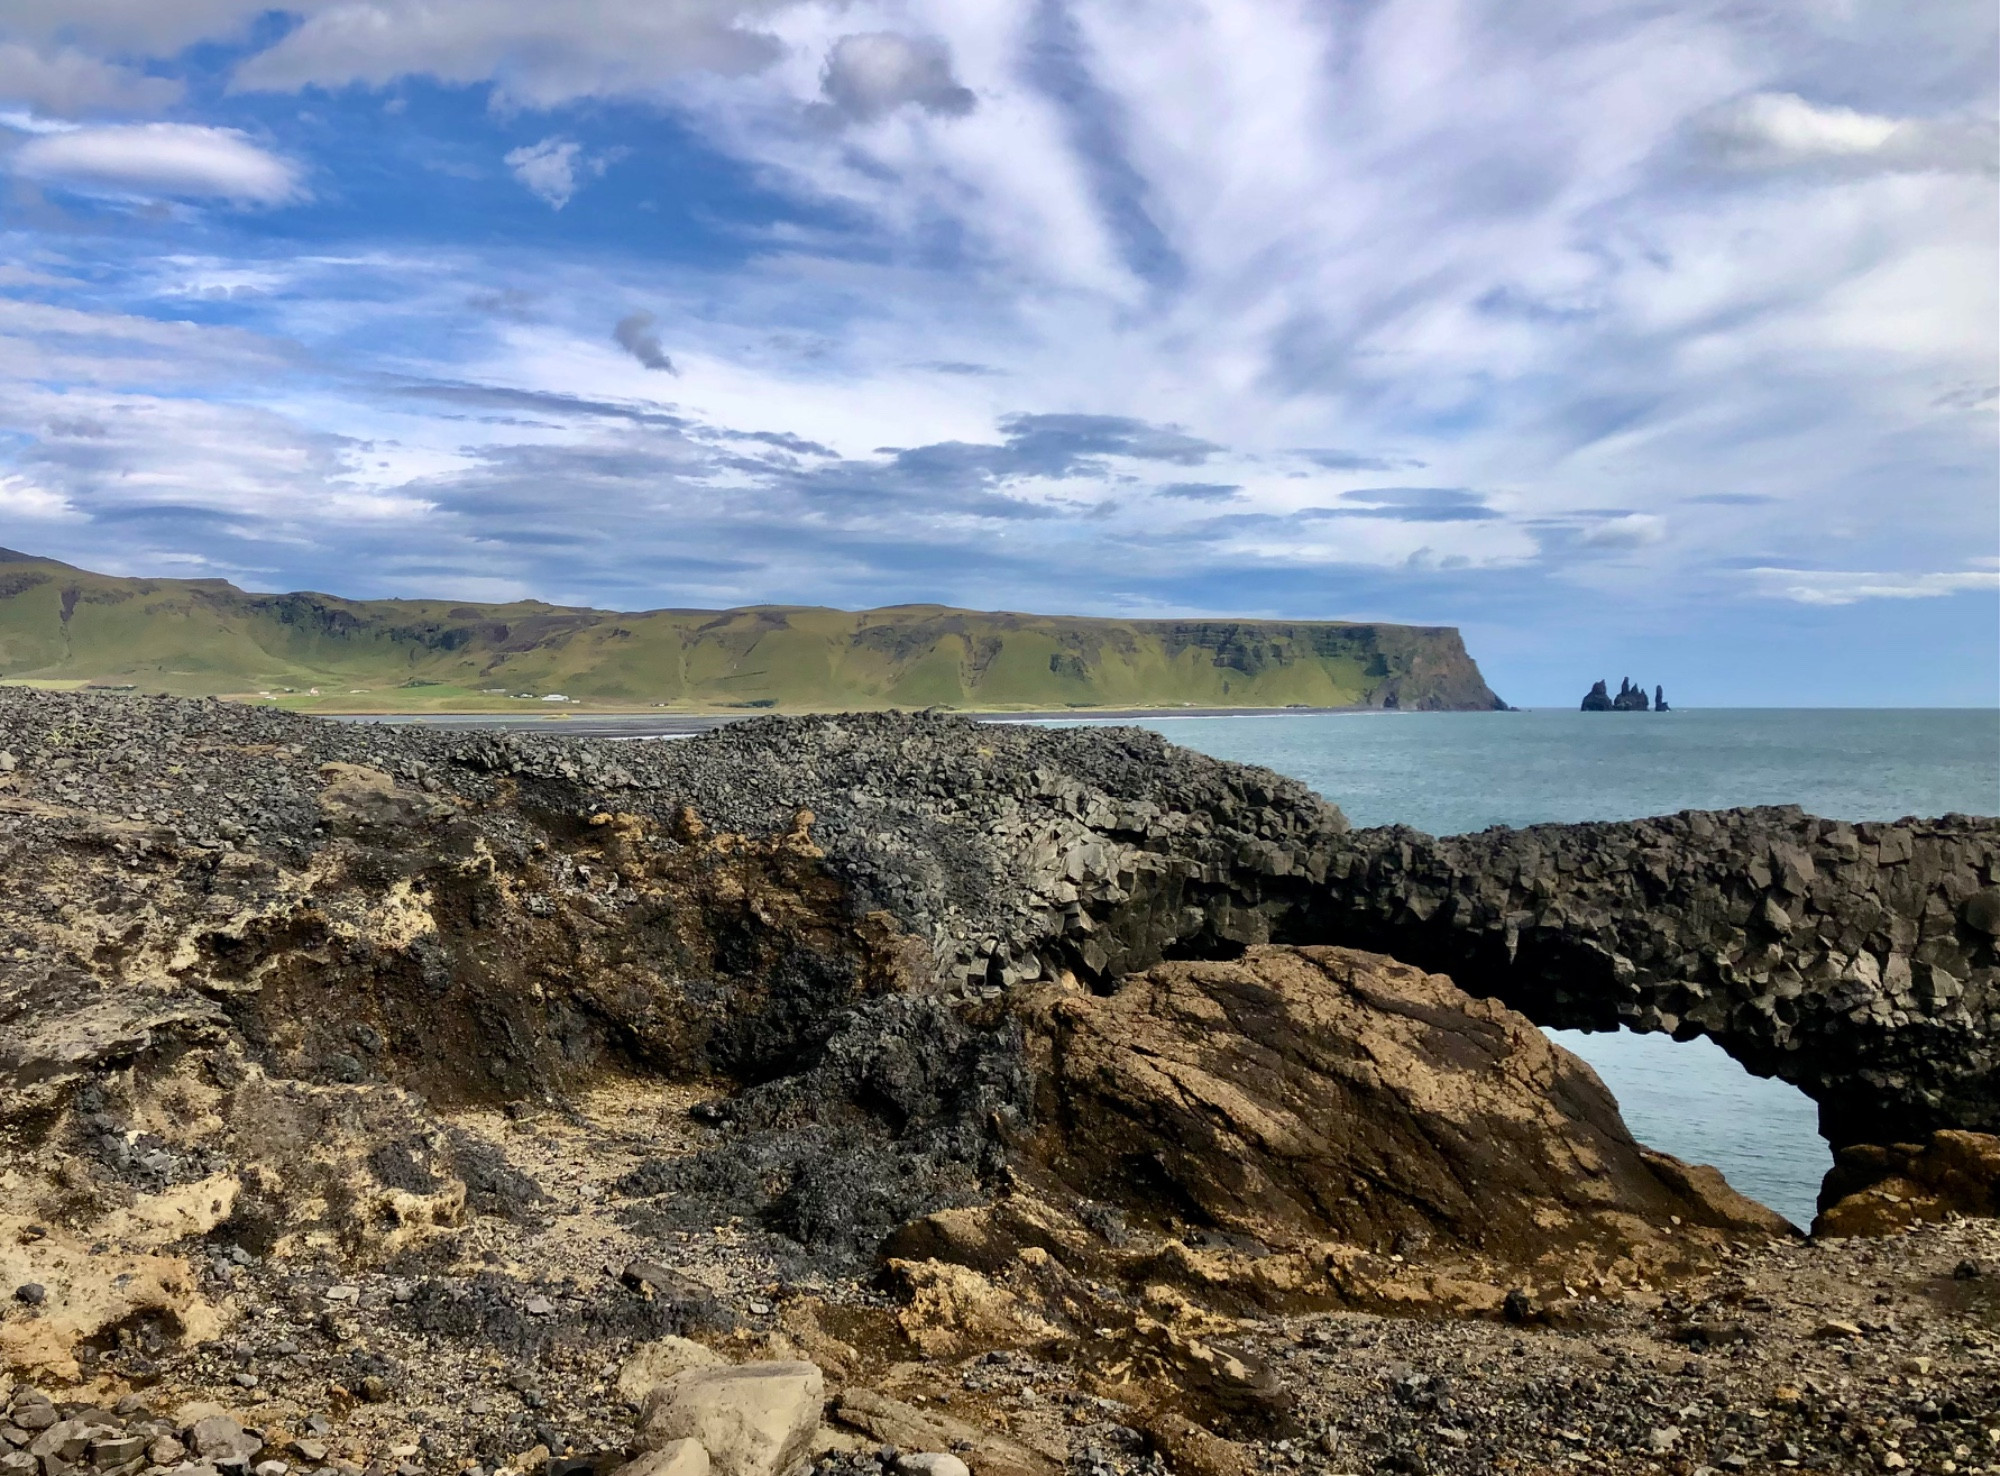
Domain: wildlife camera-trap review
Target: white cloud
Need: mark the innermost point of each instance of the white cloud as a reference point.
(67, 82)
(22, 498)
(176, 160)
(1461, 234)
(551, 168)
(1633, 530)
(547, 169)
(1849, 587)
(537, 54)
(1781, 130)
(876, 72)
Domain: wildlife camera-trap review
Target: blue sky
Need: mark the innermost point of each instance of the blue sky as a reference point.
(1634, 338)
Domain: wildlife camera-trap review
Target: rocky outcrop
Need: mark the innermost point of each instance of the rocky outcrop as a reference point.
(1630, 698)
(430, 1080)
(1883, 1190)
(1298, 1096)
(1857, 962)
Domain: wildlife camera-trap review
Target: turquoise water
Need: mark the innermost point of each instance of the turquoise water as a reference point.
(1449, 772)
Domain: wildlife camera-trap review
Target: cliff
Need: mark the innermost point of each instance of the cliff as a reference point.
(207, 637)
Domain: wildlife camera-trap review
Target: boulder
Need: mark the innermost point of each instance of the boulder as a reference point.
(219, 1438)
(1191, 1449)
(675, 1458)
(656, 1362)
(1883, 1190)
(754, 1419)
(1304, 1095)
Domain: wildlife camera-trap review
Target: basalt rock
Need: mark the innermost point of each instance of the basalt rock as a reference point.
(290, 922)
(1855, 961)
(1630, 698)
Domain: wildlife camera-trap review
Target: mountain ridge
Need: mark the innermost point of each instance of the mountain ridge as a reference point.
(60, 624)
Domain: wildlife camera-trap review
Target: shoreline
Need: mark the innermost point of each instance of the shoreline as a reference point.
(681, 725)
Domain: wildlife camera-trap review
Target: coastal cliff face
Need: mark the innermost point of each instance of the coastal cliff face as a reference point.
(319, 651)
(451, 1061)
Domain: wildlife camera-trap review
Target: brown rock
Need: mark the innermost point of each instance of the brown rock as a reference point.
(908, 1428)
(652, 1364)
(1307, 1095)
(1877, 1190)
(1191, 1449)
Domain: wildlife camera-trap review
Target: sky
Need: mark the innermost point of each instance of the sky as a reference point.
(1633, 338)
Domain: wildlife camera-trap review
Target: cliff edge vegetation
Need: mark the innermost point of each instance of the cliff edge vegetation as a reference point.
(65, 626)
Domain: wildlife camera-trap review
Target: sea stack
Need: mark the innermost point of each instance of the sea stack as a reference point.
(1630, 698)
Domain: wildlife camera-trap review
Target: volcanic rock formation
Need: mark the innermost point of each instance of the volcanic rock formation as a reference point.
(312, 1027)
(1630, 698)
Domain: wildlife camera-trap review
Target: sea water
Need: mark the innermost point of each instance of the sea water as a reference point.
(1451, 772)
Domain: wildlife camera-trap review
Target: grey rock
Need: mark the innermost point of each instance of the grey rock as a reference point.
(218, 1438)
(66, 1440)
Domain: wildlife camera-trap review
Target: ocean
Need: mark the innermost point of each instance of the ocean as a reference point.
(1451, 772)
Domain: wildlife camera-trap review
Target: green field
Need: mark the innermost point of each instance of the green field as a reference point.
(62, 626)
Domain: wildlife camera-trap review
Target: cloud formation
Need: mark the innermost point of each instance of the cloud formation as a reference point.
(552, 168)
(634, 333)
(68, 83)
(1200, 491)
(536, 54)
(173, 160)
(873, 73)
(1410, 505)
(1781, 130)
(1149, 306)
(1851, 587)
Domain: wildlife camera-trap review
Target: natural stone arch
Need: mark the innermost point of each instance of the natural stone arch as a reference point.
(1857, 962)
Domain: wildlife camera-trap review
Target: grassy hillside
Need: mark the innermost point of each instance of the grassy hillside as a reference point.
(64, 625)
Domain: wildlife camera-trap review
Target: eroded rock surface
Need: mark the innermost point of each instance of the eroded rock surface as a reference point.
(345, 1071)
(1857, 962)
(1885, 1189)
(1320, 1094)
